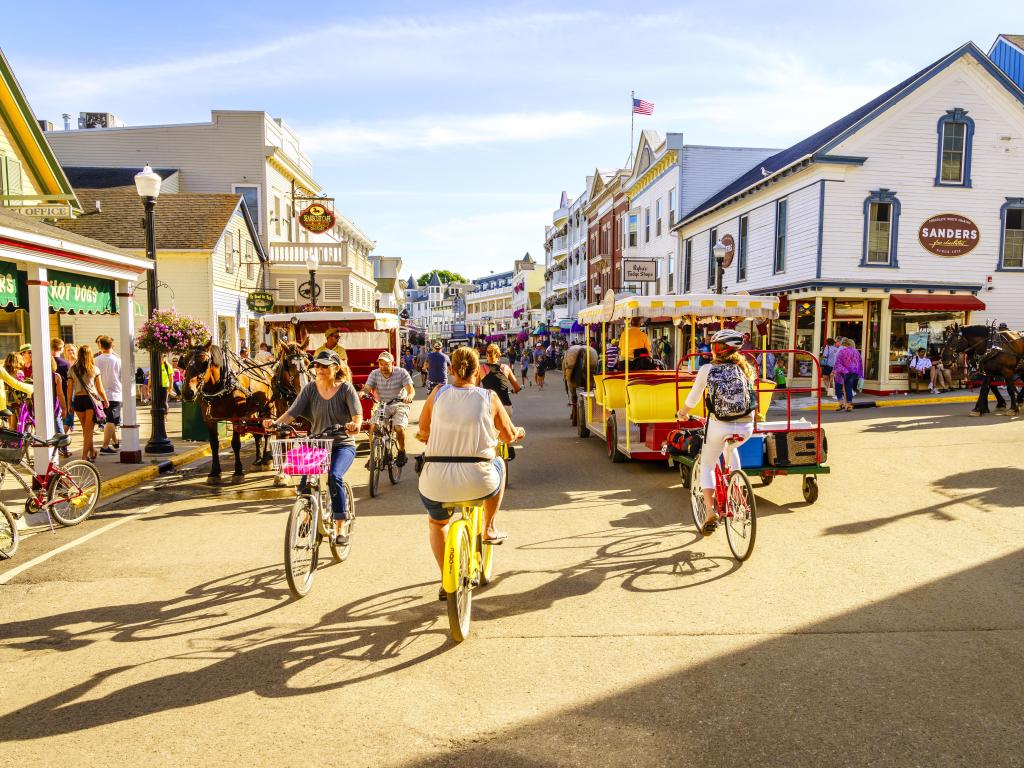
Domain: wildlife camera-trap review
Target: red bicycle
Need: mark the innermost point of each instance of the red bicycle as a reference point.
(734, 498)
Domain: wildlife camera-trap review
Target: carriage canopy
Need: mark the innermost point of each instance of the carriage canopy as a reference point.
(683, 305)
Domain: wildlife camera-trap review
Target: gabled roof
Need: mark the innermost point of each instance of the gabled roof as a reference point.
(184, 221)
(28, 135)
(820, 143)
(96, 177)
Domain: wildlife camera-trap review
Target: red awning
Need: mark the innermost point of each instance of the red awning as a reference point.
(935, 302)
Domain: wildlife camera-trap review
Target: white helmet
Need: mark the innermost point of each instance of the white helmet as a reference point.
(729, 338)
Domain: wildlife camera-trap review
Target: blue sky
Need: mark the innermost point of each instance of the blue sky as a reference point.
(447, 131)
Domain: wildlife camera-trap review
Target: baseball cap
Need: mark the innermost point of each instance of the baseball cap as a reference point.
(386, 356)
(327, 357)
(333, 332)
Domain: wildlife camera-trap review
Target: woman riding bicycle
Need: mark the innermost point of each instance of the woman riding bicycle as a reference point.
(461, 425)
(324, 402)
(499, 378)
(730, 383)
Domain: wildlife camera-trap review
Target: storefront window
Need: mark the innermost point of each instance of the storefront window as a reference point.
(11, 332)
(914, 330)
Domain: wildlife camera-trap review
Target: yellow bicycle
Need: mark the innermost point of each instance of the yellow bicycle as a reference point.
(468, 563)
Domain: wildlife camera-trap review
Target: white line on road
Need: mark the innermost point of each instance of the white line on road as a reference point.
(7, 576)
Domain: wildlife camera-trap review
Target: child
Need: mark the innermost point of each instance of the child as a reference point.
(780, 375)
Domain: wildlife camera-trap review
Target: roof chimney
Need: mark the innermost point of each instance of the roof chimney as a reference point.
(67, 121)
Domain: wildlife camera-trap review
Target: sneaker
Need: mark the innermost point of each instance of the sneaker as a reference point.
(108, 451)
(402, 459)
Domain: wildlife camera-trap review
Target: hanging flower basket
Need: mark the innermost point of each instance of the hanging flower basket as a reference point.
(167, 331)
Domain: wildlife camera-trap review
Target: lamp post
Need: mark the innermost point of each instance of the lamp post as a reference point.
(147, 183)
(311, 290)
(719, 250)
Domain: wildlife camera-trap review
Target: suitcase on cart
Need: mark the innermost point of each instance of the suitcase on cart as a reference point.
(796, 448)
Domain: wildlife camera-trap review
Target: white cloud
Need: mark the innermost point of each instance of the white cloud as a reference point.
(426, 132)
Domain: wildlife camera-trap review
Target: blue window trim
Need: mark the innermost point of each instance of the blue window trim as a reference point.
(882, 195)
(742, 248)
(775, 240)
(955, 115)
(1011, 202)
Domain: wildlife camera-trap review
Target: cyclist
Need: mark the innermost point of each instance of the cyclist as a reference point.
(730, 403)
(387, 383)
(460, 426)
(498, 377)
(438, 367)
(327, 401)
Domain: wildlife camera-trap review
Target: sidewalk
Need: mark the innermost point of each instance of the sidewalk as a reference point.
(808, 403)
(117, 477)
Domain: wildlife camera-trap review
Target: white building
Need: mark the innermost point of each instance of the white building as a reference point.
(527, 287)
(556, 267)
(387, 272)
(886, 226)
(489, 305)
(576, 259)
(258, 157)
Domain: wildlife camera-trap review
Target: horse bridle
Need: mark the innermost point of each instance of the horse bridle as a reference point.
(279, 389)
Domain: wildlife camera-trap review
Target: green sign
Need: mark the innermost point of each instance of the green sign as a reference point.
(260, 301)
(81, 293)
(9, 285)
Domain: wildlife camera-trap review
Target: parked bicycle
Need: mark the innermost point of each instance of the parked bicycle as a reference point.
(309, 521)
(734, 499)
(67, 494)
(383, 447)
(469, 563)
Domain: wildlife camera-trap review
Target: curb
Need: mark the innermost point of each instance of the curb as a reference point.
(957, 399)
(121, 483)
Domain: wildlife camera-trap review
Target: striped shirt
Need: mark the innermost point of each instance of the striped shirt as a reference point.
(391, 387)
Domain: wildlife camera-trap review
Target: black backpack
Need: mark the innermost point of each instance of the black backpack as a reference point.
(731, 395)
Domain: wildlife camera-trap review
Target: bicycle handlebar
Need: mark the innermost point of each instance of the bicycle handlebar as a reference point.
(287, 430)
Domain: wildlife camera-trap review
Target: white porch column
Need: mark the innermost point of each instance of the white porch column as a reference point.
(42, 364)
(131, 446)
(816, 337)
(884, 343)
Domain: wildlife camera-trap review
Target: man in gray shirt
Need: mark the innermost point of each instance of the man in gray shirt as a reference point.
(390, 383)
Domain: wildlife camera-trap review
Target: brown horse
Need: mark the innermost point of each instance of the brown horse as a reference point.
(995, 354)
(574, 370)
(239, 393)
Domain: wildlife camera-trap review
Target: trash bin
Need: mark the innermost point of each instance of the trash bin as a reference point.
(194, 428)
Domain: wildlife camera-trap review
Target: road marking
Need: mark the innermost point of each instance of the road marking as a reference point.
(6, 577)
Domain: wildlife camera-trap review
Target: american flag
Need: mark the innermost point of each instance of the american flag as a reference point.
(641, 107)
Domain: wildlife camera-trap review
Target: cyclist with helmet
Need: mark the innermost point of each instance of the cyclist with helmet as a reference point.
(727, 385)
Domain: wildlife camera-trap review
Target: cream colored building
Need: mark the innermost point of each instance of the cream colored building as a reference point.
(527, 287)
(489, 305)
(256, 156)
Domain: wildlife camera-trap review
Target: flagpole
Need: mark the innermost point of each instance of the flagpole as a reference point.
(632, 121)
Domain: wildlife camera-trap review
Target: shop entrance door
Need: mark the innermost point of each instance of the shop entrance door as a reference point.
(849, 329)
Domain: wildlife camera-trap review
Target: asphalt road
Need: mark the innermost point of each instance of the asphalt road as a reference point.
(880, 626)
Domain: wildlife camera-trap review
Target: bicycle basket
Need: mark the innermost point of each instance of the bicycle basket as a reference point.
(12, 446)
(301, 456)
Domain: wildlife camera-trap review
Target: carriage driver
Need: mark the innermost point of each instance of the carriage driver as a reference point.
(388, 383)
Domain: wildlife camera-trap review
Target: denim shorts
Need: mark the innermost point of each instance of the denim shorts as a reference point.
(436, 509)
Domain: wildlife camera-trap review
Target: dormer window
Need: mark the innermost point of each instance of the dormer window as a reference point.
(955, 140)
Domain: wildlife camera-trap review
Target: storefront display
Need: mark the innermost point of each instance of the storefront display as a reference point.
(917, 329)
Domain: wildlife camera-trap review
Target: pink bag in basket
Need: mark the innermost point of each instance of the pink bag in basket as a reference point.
(304, 460)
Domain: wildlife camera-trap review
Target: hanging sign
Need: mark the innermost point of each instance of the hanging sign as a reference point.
(260, 301)
(949, 235)
(608, 305)
(80, 293)
(316, 218)
(636, 271)
(730, 250)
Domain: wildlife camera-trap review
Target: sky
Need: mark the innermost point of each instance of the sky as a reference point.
(448, 131)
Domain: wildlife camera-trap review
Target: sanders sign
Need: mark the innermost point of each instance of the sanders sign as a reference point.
(949, 234)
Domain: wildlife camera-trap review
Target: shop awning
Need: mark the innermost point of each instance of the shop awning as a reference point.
(935, 302)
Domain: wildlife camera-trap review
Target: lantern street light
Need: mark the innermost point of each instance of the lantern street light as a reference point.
(147, 183)
(311, 290)
(719, 250)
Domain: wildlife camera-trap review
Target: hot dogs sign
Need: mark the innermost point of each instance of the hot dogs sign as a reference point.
(949, 235)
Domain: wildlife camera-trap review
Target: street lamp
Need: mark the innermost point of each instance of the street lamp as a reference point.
(147, 183)
(311, 290)
(719, 251)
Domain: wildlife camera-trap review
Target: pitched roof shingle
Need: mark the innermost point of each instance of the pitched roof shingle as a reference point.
(36, 227)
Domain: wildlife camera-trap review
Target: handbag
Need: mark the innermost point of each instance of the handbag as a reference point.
(101, 415)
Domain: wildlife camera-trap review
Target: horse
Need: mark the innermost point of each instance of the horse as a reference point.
(241, 396)
(995, 356)
(574, 371)
(291, 374)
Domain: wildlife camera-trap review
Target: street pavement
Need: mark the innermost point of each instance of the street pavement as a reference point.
(880, 626)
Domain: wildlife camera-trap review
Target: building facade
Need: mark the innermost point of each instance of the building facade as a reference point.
(527, 294)
(888, 225)
(606, 205)
(489, 305)
(260, 158)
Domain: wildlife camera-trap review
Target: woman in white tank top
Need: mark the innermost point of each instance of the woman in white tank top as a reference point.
(464, 422)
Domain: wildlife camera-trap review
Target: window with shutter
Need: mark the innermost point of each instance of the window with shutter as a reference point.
(332, 292)
(286, 293)
(228, 241)
(250, 261)
(13, 176)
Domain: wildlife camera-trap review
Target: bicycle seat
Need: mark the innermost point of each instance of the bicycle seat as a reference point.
(463, 504)
(735, 438)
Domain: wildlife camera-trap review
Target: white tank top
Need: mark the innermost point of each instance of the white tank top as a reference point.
(461, 424)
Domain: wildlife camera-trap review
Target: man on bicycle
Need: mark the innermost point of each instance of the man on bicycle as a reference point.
(389, 383)
(730, 383)
(439, 365)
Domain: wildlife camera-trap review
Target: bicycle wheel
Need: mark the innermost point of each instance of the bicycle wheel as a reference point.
(394, 471)
(341, 553)
(486, 561)
(741, 515)
(9, 536)
(300, 546)
(697, 506)
(73, 494)
(460, 602)
(374, 464)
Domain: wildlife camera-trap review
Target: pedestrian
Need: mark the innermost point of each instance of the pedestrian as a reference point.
(920, 368)
(439, 365)
(525, 367)
(747, 343)
(539, 365)
(848, 371)
(61, 368)
(87, 397)
(942, 376)
(142, 382)
(704, 348)
(828, 363)
(611, 356)
(109, 366)
(264, 355)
